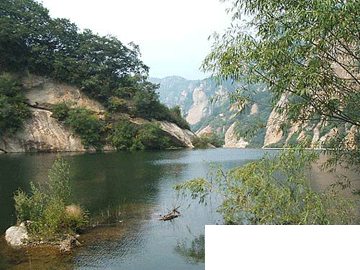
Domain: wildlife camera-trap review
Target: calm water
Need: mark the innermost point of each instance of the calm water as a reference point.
(138, 187)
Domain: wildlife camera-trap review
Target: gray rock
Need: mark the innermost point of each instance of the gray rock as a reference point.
(16, 236)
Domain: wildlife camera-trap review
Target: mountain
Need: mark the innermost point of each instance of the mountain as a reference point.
(45, 131)
(206, 106)
(67, 89)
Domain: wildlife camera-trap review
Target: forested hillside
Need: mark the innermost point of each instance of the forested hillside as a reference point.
(102, 67)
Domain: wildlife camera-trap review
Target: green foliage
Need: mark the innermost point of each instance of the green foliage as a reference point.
(13, 108)
(175, 117)
(306, 51)
(101, 66)
(45, 207)
(83, 122)
(206, 140)
(58, 185)
(151, 136)
(117, 105)
(123, 135)
(129, 136)
(273, 191)
(196, 252)
(60, 111)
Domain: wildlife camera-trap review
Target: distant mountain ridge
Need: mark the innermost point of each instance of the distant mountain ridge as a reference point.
(259, 125)
(206, 107)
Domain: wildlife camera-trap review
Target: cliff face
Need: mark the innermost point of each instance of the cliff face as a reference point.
(200, 106)
(41, 133)
(317, 132)
(217, 116)
(276, 130)
(232, 140)
(44, 133)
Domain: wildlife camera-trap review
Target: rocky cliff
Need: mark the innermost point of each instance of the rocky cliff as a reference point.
(316, 133)
(259, 125)
(206, 107)
(44, 133)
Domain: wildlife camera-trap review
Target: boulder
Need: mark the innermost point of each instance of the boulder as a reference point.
(17, 236)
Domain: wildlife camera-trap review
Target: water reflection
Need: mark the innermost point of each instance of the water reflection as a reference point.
(195, 253)
(125, 194)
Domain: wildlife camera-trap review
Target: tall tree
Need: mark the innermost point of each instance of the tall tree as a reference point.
(306, 51)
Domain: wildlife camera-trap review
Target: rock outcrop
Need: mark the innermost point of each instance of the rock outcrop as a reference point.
(302, 130)
(232, 140)
(274, 133)
(200, 106)
(182, 137)
(43, 133)
(205, 131)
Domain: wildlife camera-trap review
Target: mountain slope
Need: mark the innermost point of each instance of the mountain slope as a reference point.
(43, 132)
(206, 107)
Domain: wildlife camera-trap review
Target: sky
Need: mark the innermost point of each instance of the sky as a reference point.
(172, 35)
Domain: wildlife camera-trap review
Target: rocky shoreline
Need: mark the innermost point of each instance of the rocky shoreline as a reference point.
(18, 237)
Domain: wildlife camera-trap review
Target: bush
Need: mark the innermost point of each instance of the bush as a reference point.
(273, 191)
(204, 141)
(123, 135)
(116, 104)
(151, 136)
(83, 122)
(45, 207)
(13, 108)
(60, 111)
(129, 136)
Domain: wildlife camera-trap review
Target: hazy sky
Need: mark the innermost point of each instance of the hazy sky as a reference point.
(172, 35)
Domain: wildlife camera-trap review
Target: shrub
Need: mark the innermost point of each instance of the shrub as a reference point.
(83, 122)
(151, 136)
(116, 104)
(273, 191)
(13, 108)
(45, 207)
(123, 134)
(129, 136)
(206, 140)
(60, 111)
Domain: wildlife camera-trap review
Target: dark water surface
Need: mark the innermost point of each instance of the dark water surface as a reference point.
(137, 187)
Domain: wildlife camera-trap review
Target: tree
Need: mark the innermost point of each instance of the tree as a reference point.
(305, 51)
(13, 108)
(101, 66)
(274, 190)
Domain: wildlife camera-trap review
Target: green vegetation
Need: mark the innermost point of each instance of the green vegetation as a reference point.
(195, 253)
(206, 140)
(13, 108)
(101, 66)
(116, 131)
(272, 191)
(128, 136)
(308, 53)
(47, 207)
(83, 122)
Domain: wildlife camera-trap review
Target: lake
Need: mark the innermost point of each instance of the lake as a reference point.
(125, 193)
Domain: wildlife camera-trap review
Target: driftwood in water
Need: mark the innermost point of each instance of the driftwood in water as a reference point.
(174, 213)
